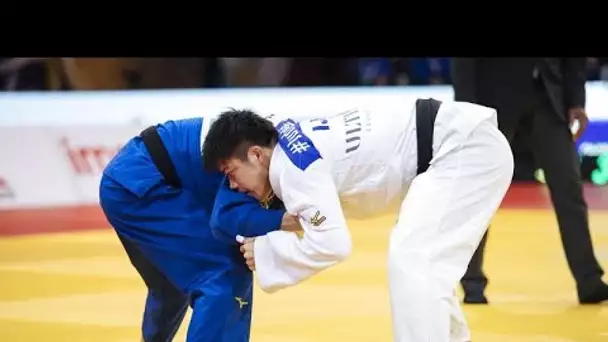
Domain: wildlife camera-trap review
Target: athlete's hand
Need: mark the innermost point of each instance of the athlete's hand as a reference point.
(579, 115)
(291, 223)
(247, 250)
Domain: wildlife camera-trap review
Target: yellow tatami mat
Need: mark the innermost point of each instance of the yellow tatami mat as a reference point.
(80, 287)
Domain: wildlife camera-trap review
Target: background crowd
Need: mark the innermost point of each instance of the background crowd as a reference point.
(153, 73)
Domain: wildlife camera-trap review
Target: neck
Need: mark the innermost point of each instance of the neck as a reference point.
(267, 199)
(270, 195)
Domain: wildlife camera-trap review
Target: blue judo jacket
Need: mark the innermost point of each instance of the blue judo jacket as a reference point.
(234, 213)
(167, 221)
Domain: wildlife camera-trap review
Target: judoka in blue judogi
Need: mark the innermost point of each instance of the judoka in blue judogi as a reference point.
(160, 200)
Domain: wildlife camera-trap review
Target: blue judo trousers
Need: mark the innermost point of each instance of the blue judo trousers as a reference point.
(166, 233)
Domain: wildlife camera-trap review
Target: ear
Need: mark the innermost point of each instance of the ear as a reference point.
(256, 152)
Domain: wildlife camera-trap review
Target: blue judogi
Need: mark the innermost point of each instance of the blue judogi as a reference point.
(166, 233)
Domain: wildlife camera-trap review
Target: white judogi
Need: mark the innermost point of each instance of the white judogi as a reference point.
(367, 157)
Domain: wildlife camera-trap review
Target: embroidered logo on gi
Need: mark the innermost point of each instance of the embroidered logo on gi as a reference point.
(241, 302)
(317, 219)
(298, 147)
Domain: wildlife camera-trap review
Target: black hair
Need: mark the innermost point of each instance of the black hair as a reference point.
(232, 133)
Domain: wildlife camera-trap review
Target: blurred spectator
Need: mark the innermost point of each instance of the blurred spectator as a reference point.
(273, 71)
(57, 79)
(314, 72)
(430, 71)
(593, 69)
(251, 72)
(131, 73)
(214, 73)
(597, 69)
(603, 64)
(158, 73)
(240, 72)
(375, 71)
(91, 73)
(23, 74)
(402, 69)
(3, 75)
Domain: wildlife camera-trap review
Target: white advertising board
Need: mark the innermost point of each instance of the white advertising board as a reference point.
(54, 145)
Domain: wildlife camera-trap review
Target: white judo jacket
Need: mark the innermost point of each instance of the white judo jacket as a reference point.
(362, 158)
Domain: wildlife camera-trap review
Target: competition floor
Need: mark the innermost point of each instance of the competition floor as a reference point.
(64, 278)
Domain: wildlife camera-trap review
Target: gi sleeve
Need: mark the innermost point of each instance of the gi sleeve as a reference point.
(284, 259)
(237, 214)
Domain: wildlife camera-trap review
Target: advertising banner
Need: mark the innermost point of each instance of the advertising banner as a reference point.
(54, 145)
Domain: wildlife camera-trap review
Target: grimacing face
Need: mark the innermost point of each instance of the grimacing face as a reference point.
(251, 175)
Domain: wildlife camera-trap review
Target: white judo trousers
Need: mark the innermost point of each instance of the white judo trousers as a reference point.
(442, 219)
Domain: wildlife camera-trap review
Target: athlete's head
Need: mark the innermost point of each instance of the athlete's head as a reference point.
(239, 143)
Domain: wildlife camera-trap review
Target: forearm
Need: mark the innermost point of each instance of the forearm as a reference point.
(283, 259)
(238, 214)
(305, 181)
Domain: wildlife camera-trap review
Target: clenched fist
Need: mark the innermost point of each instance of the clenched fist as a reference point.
(247, 250)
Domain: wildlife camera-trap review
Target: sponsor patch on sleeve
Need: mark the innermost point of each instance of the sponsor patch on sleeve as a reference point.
(298, 147)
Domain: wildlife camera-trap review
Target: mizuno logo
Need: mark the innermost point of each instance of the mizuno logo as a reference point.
(241, 302)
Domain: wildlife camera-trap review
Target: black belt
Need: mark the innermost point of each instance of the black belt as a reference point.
(160, 156)
(426, 112)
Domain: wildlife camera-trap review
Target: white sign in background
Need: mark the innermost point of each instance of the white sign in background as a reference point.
(54, 166)
(54, 145)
